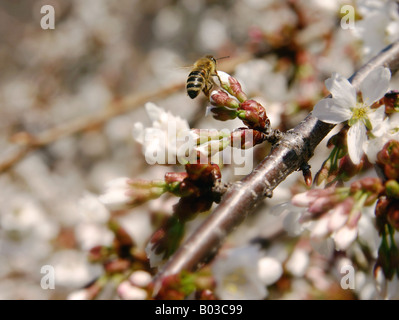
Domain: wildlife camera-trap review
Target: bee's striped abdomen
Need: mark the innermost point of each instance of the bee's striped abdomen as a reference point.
(195, 83)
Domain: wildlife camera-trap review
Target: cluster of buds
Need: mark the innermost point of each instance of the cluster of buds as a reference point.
(346, 203)
(387, 210)
(126, 193)
(119, 257)
(195, 187)
(230, 102)
(121, 260)
(338, 210)
(338, 167)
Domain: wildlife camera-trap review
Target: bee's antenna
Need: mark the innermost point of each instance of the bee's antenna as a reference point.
(223, 58)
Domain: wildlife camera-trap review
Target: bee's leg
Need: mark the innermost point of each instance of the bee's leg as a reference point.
(217, 75)
(207, 88)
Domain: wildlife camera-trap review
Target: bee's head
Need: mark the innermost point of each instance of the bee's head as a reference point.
(212, 58)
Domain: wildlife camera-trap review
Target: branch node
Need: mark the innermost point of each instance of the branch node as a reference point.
(307, 174)
(268, 193)
(273, 135)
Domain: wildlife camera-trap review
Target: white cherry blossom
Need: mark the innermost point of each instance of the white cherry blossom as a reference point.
(163, 141)
(345, 106)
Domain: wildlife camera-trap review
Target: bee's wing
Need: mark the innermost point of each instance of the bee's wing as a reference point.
(185, 68)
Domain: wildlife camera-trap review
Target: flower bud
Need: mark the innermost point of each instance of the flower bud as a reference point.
(305, 199)
(222, 113)
(204, 173)
(124, 193)
(391, 102)
(347, 169)
(321, 205)
(323, 173)
(388, 159)
(232, 86)
(392, 189)
(369, 184)
(220, 98)
(253, 114)
(244, 138)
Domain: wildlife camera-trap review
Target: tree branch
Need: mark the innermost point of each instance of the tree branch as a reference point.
(294, 150)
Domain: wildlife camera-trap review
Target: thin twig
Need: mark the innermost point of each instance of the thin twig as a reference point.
(289, 154)
(27, 142)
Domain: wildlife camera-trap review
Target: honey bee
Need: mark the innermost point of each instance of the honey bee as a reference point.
(200, 78)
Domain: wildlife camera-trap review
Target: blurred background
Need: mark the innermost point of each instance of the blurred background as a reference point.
(102, 51)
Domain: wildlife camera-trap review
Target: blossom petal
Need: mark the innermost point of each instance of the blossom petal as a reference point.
(372, 147)
(377, 116)
(298, 262)
(338, 217)
(154, 112)
(344, 237)
(375, 85)
(270, 270)
(341, 90)
(321, 228)
(356, 139)
(138, 132)
(330, 111)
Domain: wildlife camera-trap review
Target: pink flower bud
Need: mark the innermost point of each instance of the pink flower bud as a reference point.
(222, 113)
(388, 159)
(220, 98)
(306, 198)
(254, 115)
(232, 86)
(236, 89)
(321, 205)
(246, 138)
